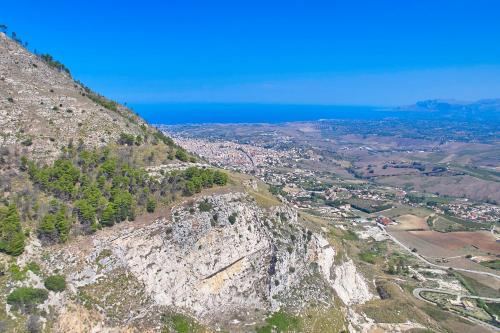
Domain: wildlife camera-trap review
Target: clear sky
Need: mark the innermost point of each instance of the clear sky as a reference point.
(315, 52)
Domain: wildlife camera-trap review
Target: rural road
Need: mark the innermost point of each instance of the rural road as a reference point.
(417, 291)
(430, 263)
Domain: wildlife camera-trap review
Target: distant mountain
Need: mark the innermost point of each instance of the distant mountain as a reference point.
(438, 105)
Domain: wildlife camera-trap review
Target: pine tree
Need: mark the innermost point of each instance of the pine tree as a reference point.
(11, 233)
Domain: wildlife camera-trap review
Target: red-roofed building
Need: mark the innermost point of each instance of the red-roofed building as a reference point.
(384, 220)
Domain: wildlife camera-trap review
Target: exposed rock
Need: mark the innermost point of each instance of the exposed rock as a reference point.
(350, 285)
(205, 265)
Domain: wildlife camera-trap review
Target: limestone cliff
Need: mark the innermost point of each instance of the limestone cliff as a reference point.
(204, 263)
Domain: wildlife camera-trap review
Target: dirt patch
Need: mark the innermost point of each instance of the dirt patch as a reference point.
(410, 222)
(481, 240)
(441, 244)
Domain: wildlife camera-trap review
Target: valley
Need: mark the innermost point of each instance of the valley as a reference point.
(433, 239)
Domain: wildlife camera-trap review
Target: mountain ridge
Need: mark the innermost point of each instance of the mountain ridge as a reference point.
(43, 109)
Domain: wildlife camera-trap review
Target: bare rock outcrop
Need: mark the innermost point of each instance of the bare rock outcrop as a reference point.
(217, 258)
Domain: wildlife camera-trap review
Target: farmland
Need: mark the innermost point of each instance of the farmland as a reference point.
(438, 244)
(410, 222)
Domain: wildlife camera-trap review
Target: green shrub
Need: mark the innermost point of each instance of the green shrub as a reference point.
(181, 155)
(104, 188)
(220, 178)
(28, 142)
(102, 101)
(197, 179)
(55, 226)
(151, 205)
(368, 256)
(232, 218)
(55, 283)
(26, 298)
(34, 267)
(126, 139)
(49, 60)
(16, 273)
(108, 217)
(158, 135)
(60, 179)
(205, 206)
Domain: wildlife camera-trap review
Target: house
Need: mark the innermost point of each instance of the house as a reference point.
(384, 220)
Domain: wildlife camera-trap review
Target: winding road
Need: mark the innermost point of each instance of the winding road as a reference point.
(418, 291)
(415, 254)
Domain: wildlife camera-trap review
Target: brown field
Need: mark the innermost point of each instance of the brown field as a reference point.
(482, 240)
(410, 222)
(474, 188)
(438, 244)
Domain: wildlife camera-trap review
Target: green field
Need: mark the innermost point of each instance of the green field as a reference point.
(493, 264)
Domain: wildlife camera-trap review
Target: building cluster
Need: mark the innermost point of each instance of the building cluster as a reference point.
(484, 213)
(281, 168)
(232, 155)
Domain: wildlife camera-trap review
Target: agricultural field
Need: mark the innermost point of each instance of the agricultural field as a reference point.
(438, 244)
(410, 222)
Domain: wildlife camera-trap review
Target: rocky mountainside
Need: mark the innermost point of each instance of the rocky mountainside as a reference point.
(42, 108)
(221, 259)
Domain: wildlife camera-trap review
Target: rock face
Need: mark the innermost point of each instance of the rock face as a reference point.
(218, 258)
(350, 285)
(42, 108)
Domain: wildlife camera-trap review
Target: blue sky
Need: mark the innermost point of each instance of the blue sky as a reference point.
(313, 52)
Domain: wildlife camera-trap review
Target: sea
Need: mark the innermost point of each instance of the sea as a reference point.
(174, 114)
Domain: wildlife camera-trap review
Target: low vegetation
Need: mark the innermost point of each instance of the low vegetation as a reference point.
(205, 206)
(180, 324)
(101, 100)
(49, 60)
(55, 283)
(493, 264)
(281, 322)
(26, 299)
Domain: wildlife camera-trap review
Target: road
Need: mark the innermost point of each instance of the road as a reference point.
(417, 291)
(415, 254)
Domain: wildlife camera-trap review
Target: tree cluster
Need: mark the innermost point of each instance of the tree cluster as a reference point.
(197, 179)
(98, 188)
